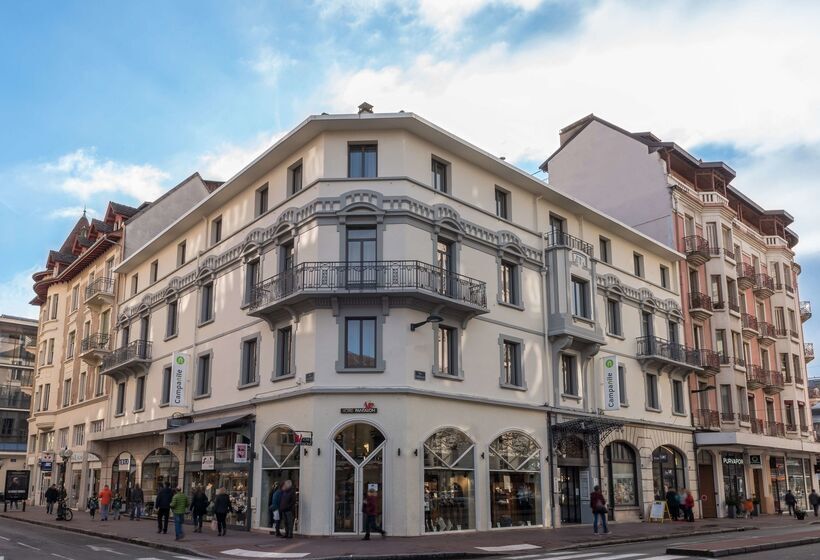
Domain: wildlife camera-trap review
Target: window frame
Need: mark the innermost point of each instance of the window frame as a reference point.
(638, 264)
(361, 320)
(664, 273)
(171, 319)
(509, 284)
(261, 200)
(649, 394)
(517, 363)
(570, 380)
(293, 188)
(622, 386)
(119, 401)
(604, 249)
(285, 356)
(503, 197)
(251, 280)
(443, 185)
(244, 365)
(215, 231)
(678, 393)
(139, 393)
(613, 315)
(363, 145)
(182, 250)
(135, 283)
(201, 358)
(206, 303)
(453, 352)
(165, 391)
(153, 274)
(581, 300)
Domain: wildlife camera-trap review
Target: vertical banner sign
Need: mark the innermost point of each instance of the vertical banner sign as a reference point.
(179, 374)
(612, 393)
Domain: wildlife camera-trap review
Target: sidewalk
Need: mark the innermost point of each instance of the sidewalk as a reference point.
(732, 546)
(449, 545)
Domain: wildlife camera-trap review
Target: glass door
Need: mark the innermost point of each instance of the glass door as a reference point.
(361, 256)
(358, 473)
(570, 494)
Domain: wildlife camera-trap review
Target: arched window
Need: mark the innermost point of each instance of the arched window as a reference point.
(280, 462)
(667, 470)
(358, 474)
(159, 467)
(515, 481)
(123, 472)
(623, 480)
(449, 481)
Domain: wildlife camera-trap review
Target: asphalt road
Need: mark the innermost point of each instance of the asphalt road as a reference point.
(24, 541)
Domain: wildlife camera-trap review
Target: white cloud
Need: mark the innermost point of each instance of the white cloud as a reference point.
(71, 212)
(226, 160)
(269, 64)
(82, 174)
(16, 292)
(448, 16)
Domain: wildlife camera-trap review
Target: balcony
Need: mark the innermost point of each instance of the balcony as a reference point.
(663, 353)
(791, 427)
(765, 333)
(700, 306)
(749, 323)
(739, 362)
(44, 421)
(728, 254)
(13, 397)
(745, 276)
(134, 358)
(805, 311)
(696, 249)
(94, 348)
(775, 429)
(808, 351)
(709, 361)
(13, 443)
(558, 239)
(775, 382)
(763, 285)
(781, 331)
(756, 377)
(308, 283)
(756, 425)
(728, 417)
(100, 292)
(706, 419)
(734, 306)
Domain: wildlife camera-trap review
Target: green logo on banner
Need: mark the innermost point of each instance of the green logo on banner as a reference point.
(610, 362)
(180, 360)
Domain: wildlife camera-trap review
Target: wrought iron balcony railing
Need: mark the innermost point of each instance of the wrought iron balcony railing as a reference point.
(100, 286)
(763, 282)
(808, 351)
(135, 350)
(555, 238)
(805, 310)
(698, 300)
(99, 341)
(697, 248)
(709, 359)
(775, 429)
(653, 346)
(705, 418)
(748, 321)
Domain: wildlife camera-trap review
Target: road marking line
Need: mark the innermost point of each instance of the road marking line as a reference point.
(27, 545)
(61, 556)
(522, 557)
(665, 557)
(621, 556)
(262, 554)
(508, 548)
(4, 538)
(573, 556)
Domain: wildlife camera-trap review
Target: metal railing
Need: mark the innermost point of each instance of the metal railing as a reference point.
(135, 350)
(805, 310)
(99, 341)
(763, 281)
(756, 375)
(791, 426)
(728, 416)
(709, 359)
(371, 275)
(698, 300)
(744, 416)
(775, 429)
(728, 253)
(649, 346)
(745, 270)
(808, 350)
(756, 425)
(100, 286)
(16, 399)
(748, 321)
(555, 238)
(724, 359)
(775, 380)
(739, 361)
(706, 418)
(766, 329)
(696, 245)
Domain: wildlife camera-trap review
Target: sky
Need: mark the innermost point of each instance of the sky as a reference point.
(121, 101)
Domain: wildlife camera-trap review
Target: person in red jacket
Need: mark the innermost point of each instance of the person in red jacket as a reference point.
(370, 508)
(689, 507)
(598, 504)
(105, 502)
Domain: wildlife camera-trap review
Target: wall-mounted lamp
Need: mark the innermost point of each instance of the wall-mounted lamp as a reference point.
(399, 451)
(306, 451)
(416, 452)
(429, 319)
(318, 451)
(482, 454)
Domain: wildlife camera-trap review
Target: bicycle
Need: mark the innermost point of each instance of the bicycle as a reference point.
(64, 513)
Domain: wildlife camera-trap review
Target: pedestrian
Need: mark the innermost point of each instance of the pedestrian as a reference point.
(137, 502)
(93, 505)
(689, 507)
(116, 506)
(163, 505)
(814, 501)
(790, 501)
(222, 506)
(598, 504)
(106, 497)
(51, 498)
(672, 504)
(199, 506)
(179, 505)
(275, 516)
(287, 500)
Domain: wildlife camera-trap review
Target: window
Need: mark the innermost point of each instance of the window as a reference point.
(139, 396)
(789, 409)
(664, 277)
(50, 357)
(79, 434)
(172, 320)
(784, 368)
(613, 317)
(511, 374)
(181, 257)
(604, 246)
(623, 470)
(569, 375)
(637, 264)
(295, 177)
(731, 292)
(742, 402)
(251, 279)
(75, 297)
(261, 202)
(509, 283)
(622, 384)
(557, 224)
(502, 203)
(697, 336)
(287, 255)
(652, 400)
(69, 350)
(154, 272)
(580, 298)
(439, 169)
(250, 359)
(712, 235)
(120, 407)
(97, 426)
(677, 397)
(165, 397)
(446, 351)
(798, 371)
(99, 386)
(360, 342)
(203, 376)
(284, 352)
(55, 302)
(8, 427)
(361, 160)
(81, 389)
(135, 282)
(647, 326)
(726, 401)
(216, 230)
(62, 438)
(66, 392)
(716, 287)
(206, 304)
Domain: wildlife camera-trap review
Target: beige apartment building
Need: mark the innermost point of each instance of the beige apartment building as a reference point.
(741, 302)
(374, 304)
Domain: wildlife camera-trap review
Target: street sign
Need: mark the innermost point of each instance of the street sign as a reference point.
(612, 393)
(179, 374)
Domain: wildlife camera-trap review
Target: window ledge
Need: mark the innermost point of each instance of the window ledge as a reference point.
(208, 322)
(513, 387)
(618, 336)
(202, 396)
(138, 410)
(164, 405)
(248, 385)
(459, 377)
(572, 397)
(681, 414)
(503, 303)
(120, 415)
(277, 378)
(650, 409)
(360, 370)
(170, 337)
(624, 405)
(586, 320)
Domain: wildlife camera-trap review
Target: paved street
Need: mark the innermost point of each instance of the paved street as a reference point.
(22, 541)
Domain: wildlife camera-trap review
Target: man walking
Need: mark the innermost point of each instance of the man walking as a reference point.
(179, 505)
(163, 505)
(790, 501)
(814, 500)
(137, 502)
(105, 502)
(287, 499)
(51, 498)
(370, 508)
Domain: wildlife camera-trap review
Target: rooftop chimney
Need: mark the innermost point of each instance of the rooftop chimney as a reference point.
(365, 107)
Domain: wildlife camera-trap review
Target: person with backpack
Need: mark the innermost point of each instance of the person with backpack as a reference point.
(93, 505)
(163, 505)
(179, 505)
(598, 504)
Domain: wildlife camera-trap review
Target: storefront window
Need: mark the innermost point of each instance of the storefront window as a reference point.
(667, 471)
(777, 467)
(159, 467)
(358, 475)
(794, 472)
(515, 481)
(123, 472)
(280, 462)
(734, 473)
(622, 474)
(449, 483)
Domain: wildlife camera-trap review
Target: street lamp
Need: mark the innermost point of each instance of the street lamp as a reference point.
(65, 453)
(429, 319)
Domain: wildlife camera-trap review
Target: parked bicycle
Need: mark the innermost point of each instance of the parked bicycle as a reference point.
(64, 513)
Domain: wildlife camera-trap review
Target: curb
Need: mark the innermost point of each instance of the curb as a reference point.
(743, 549)
(114, 537)
(647, 538)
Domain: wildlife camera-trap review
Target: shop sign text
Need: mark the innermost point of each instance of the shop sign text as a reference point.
(240, 453)
(732, 460)
(179, 374)
(368, 408)
(207, 462)
(612, 393)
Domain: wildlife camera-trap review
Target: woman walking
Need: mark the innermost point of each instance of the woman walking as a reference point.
(199, 506)
(222, 506)
(598, 504)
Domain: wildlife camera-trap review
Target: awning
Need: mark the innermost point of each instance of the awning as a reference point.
(211, 424)
(591, 429)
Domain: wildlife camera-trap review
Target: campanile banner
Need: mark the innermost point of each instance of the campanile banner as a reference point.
(179, 376)
(612, 393)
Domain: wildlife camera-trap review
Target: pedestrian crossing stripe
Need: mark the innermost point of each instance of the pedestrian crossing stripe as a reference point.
(262, 554)
(600, 555)
(508, 548)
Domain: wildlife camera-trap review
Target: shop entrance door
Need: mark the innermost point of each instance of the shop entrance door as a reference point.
(707, 488)
(757, 480)
(570, 494)
(359, 472)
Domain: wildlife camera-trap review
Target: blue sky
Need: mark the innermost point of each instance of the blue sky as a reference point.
(116, 100)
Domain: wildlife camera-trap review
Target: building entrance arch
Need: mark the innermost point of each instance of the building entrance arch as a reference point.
(358, 472)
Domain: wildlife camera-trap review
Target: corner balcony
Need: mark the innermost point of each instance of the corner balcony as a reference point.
(756, 377)
(808, 351)
(805, 311)
(766, 333)
(94, 348)
(662, 353)
(745, 276)
(135, 358)
(700, 306)
(100, 292)
(696, 249)
(317, 283)
(44, 421)
(749, 323)
(756, 424)
(559, 239)
(775, 382)
(763, 285)
(705, 419)
(710, 361)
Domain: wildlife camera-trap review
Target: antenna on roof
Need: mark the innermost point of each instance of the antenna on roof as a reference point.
(365, 107)
(83, 210)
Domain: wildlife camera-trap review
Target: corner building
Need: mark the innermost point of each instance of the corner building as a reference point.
(742, 310)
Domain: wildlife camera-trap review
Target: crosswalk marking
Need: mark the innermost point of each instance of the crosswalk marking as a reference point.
(262, 554)
(522, 557)
(566, 555)
(508, 548)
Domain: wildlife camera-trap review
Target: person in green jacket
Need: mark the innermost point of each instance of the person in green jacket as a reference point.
(179, 505)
